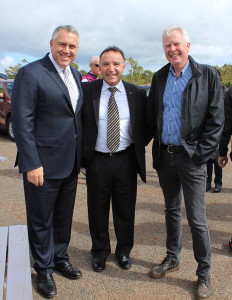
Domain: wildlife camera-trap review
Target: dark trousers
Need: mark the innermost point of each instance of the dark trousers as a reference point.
(111, 179)
(217, 170)
(49, 218)
(177, 175)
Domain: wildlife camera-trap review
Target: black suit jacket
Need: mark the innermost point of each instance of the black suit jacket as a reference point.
(90, 118)
(47, 131)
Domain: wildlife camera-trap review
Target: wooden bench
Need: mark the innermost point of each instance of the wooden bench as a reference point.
(15, 272)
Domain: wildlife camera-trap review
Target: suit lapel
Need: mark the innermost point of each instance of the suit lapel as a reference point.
(78, 82)
(96, 94)
(162, 79)
(52, 72)
(131, 103)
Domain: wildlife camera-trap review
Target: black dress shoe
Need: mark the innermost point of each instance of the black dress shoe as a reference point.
(67, 270)
(46, 285)
(98, 265)
(166, 266)
(208, 186)
(203, 290)
(217, 188)
(124, 262)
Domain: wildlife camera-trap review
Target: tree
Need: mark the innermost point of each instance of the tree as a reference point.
(13, 70)
(226, 74)
(75, 65)
(137, 75)
(83, 72)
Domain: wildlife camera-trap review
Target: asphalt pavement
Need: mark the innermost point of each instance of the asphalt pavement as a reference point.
(115, 283)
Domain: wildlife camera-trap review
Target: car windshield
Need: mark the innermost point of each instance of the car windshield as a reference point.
(9, 86)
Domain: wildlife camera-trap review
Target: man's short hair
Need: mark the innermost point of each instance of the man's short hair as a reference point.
(67, 28)
(115, 49)
(171, 28)
(93, 59)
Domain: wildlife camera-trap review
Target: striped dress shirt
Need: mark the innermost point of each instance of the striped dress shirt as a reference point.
(172, 105)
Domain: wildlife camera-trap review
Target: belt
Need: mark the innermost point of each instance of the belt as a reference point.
(173, 148)
(111, 154)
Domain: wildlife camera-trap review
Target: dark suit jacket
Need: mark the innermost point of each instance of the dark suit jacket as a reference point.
(47, 131)
(90, 116)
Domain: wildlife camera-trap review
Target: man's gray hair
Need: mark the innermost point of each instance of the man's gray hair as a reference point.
(67, 28)
(171, 28)
(93, 59)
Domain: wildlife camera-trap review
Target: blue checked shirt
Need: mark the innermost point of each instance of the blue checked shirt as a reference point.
(172, 105)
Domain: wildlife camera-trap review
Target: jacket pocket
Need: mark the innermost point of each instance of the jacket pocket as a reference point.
(44, 141)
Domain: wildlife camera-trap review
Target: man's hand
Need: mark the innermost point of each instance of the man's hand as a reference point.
(222, 161)
(36, 176)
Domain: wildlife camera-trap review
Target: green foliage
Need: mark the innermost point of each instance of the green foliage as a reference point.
(137, 75)
(83, 72)
(13, 70)
(75, 65)
(226, 75)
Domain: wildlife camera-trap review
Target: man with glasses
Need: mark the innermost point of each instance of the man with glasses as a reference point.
(94, 70)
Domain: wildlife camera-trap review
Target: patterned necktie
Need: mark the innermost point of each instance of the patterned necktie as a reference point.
(71, 89)
(113, 123)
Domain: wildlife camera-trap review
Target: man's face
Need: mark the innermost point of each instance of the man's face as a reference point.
(64, 48)
(94, 67)
(112, 66)
(176, 49)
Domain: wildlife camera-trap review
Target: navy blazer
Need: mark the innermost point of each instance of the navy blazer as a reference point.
(90, 116)
(47, 131)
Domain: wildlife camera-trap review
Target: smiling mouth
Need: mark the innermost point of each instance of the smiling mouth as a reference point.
(64, 55)
(174, 55)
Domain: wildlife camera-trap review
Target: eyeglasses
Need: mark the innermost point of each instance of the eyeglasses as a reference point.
(96, 65)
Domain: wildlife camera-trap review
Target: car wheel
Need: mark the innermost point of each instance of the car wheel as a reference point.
(9, 129)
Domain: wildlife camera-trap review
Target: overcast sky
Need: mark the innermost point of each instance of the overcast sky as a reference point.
(133, 25)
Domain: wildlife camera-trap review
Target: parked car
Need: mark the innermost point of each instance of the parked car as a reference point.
(3, 76)
(6, 87)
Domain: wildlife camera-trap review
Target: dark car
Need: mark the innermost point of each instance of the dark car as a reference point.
(3, 76)
(6, 87)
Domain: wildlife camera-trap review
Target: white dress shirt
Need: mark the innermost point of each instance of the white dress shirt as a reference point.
(124, 115)
(59, 70)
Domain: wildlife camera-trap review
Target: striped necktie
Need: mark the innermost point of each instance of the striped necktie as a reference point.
(113, 123)
(71, 88)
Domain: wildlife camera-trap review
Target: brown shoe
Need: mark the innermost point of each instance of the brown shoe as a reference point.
(166, 266)
(204, 289)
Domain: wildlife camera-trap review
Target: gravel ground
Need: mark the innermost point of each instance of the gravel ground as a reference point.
(115, 283)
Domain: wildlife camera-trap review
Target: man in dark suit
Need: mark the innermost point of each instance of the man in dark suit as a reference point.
(185, 117)
(48, 132)
(111, 168)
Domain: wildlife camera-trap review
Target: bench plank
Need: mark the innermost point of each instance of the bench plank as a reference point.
(3, 250)
(18, 270)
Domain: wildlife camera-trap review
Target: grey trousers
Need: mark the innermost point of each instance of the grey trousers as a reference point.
(179, 174)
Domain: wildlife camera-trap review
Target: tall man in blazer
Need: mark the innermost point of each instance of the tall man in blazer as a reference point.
(48, 132)
(112, 174)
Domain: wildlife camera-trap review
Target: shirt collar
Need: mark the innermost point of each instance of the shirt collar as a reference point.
(95, 76)
(58, 68)
(119, 86)
(171, 69)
